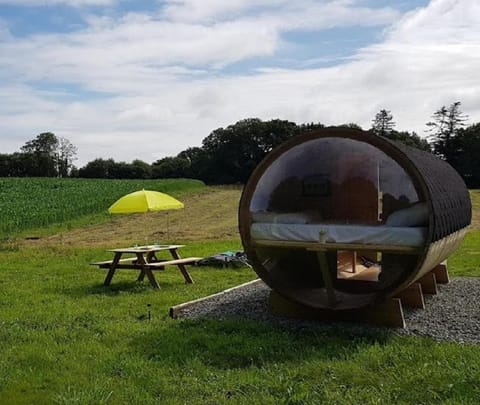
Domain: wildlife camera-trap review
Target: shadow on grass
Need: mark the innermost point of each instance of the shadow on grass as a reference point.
(130, 287)
(239, 343)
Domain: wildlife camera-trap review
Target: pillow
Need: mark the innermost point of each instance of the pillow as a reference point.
(280, 218)
(263, 216)
(416, 215)
(292, 218)
(313, 216)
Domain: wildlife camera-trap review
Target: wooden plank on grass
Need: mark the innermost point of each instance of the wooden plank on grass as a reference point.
(177, 309)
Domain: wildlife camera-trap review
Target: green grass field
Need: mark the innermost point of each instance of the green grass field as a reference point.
(67, 339)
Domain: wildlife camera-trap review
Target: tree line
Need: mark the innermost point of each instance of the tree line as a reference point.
(45, 156)
(229, 155)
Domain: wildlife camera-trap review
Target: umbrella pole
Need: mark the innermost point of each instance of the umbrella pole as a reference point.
(168, 227)
(145, 227)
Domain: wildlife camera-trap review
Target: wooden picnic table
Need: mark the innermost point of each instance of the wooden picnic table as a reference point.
(145, 260)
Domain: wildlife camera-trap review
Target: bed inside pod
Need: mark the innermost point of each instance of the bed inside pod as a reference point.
(334, 222)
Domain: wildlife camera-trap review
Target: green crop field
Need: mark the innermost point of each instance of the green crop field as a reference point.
(33, 202)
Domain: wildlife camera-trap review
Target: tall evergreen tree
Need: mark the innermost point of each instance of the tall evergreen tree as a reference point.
(383, 123)
(444, 127)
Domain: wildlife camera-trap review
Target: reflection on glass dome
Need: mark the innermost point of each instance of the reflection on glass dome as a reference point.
(335, 179)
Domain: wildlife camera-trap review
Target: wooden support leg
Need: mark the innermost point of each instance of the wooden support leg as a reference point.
(151, 278)
(113, 267)
(441, 273)
(141, 260)
(186, 275)
(327, 277)
(151, 257)
(429, 283)
(412, 296)
(182, 267)
(146, 271)
(354, 261)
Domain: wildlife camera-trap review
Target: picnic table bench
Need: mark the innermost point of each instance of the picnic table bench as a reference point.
(146, 261)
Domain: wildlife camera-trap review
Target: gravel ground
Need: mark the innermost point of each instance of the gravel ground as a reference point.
(451, 315)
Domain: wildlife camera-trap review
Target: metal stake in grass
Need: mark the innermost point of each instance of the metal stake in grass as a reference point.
(149, 312)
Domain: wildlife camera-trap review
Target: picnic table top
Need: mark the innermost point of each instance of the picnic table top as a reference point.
(145, 249)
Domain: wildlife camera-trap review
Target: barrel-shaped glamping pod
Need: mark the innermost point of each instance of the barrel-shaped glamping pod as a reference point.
(341, 219)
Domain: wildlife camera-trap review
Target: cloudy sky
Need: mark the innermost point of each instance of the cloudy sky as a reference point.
(145, 79)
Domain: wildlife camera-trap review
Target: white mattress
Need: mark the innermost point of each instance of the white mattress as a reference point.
(376, 235)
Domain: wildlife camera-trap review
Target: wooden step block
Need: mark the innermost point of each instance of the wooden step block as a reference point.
(388, 313)
(429, 283)
(441, 273)
(412, 296)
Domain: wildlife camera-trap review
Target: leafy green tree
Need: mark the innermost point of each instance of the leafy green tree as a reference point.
(42, 151)
(121, 170)
(49, 155)
(350, 125)
(464, 154)
(46, 143)
(98, 168)
(170, 167)
(229, 155)
(447, 121)
(383, 123)
(233, 152)
(19, 164)
(141, 169)
(410, 139)
(5, 162)
(109, 169)
(66, 153)
(198, 161)
(311, 126)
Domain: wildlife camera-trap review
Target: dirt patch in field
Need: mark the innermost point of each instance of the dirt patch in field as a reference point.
(209, 214)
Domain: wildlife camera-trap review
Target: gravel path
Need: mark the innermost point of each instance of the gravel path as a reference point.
(451, 315)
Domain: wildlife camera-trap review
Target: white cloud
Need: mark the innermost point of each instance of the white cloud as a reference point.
(280, 14)
(75, 3)
(135, 47)
(292, 14)
(167, 90)
(212, 10)
(140, 41)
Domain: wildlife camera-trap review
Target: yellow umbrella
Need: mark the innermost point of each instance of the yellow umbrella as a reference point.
(145, 201)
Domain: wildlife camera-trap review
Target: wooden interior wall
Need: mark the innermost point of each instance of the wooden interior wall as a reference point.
(356, 198)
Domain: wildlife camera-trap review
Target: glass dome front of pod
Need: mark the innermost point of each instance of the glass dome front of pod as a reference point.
(335, 223)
